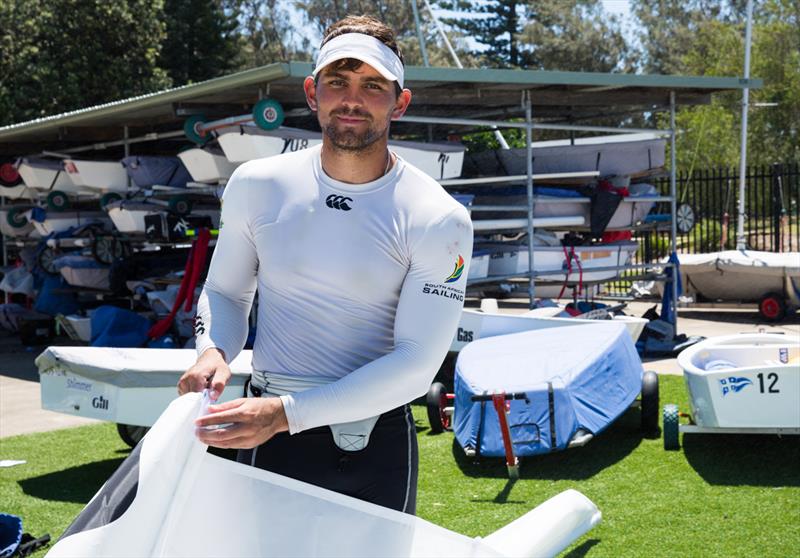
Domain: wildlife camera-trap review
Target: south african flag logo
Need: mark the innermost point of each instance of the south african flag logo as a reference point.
(457, 271)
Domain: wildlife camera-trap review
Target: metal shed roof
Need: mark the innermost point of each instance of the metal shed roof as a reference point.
(473, 93)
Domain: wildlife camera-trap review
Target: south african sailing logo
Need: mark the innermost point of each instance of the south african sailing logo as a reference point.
(733, 384)
(457, 271)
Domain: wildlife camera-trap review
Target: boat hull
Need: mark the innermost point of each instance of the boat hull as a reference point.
(744, 381)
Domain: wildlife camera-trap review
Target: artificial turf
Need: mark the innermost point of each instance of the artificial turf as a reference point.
(717, 496)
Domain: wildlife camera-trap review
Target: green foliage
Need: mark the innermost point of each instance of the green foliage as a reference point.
(570, 35)
(60, 55)
(710, 134)
(201, 41)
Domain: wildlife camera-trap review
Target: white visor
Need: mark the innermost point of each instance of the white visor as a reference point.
(365, 48)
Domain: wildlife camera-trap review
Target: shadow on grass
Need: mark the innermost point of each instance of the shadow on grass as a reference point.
(76, 484)
(583, 549)
(744, 460)
(610, 447)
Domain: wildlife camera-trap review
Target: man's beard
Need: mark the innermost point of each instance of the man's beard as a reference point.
(350, 140)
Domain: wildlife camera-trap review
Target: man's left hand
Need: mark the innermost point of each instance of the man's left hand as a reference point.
(254, 421)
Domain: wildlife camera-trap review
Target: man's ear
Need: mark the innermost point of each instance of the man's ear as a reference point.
(400, 106)
(310, 87)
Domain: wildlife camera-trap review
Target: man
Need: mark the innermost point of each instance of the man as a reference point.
(360, 261)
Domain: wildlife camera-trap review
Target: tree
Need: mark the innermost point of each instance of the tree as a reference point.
(201, 41)
(60, 55)
(267, 32)
(711, 133)
(569, 35)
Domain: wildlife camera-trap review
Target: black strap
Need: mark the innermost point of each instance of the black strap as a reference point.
(551, 403)
(480, 431)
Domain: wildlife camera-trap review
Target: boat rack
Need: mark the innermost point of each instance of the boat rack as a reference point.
(530, 222)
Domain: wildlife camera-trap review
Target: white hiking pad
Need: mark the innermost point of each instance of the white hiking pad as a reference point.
(192, 503)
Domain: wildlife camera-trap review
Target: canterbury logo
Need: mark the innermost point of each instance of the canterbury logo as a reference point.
(199, 326)
(338, 202)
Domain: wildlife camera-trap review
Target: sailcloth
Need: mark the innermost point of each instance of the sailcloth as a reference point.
(191, 503)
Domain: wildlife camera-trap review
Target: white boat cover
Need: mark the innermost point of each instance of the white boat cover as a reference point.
(191, 503)
(741, 274)
(128, 368)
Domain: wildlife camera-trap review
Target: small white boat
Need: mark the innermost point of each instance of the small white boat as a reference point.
(47, 222)
(623, 154)
(99, 176)
(207, 164)
(555, 202)
(129, 216)
(583, 263)
(770, 278)
(476, 324)
(245, 142)
(739, 384)
(46, 175)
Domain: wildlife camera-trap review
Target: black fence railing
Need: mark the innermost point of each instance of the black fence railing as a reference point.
(772, 214)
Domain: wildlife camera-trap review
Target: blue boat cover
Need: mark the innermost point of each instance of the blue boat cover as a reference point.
(76, 261)
(147, 171)
(588, 374)
(117, 327)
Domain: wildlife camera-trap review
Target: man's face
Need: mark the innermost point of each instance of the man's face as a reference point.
(355, 107)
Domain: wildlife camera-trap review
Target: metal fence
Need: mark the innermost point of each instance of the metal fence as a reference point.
(772, 214)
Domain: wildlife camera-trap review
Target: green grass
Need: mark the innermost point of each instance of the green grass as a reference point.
(718, 496)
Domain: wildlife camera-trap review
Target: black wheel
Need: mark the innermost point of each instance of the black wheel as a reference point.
(180, 205)
(671, 440)
(57, 201)
(649, 402)
(436, 401)
(131, 434)
(772, 307)
(16, 217)
(107, 249)
(46, 258)
(108, 198)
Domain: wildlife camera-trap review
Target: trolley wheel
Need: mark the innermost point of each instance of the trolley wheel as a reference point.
(671, 440)
(16, 218)
(192, 129)
(684, 218)
(107, 249)
(268, 114)
(772, 307)
(131, 434)
(436, 401)
(109, 198)
(45, 260)
(180, 205)
(649, 402)
(9, 175)
(58, 201)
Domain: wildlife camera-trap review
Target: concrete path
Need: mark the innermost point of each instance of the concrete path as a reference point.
(20, 404)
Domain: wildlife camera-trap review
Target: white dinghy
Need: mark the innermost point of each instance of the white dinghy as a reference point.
(247, 141)
(476, 324)
(739, 384)
(269, 515)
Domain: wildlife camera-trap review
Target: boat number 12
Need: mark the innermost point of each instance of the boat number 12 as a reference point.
(768, 385)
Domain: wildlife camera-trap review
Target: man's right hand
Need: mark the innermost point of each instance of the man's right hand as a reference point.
(210, 371)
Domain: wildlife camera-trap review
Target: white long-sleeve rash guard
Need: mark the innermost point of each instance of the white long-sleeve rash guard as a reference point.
(360, 284)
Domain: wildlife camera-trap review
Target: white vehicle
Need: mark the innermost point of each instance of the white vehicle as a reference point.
(739, 384)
